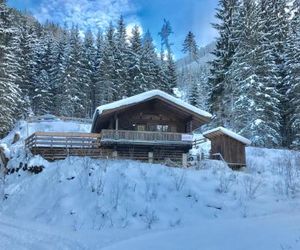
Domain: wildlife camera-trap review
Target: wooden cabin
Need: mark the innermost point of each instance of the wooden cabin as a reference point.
(228, 146)
(153, 125)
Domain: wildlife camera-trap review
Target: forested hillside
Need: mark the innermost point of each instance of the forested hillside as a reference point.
(255, 76)
(50, 69)
(250, 82)
(193, 76)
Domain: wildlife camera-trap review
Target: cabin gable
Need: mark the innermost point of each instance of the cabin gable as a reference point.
(151, 113)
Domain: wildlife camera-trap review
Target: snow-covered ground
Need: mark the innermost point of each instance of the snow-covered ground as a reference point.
(80, 203)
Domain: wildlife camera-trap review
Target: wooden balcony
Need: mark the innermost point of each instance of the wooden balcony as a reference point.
(145, 138)
(56, 146)
(65, 140)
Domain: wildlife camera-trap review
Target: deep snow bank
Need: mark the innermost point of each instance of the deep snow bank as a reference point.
(107, 204)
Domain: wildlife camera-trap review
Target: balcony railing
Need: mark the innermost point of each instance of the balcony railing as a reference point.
(62, 140)
(144, 137)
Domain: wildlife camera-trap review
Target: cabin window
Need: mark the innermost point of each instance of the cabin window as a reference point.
(140, 127)
(162, 128)
(159, 127)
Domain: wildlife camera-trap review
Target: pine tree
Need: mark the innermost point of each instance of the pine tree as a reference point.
(278, 38)
(74, 88)
(122, 60)
(137, 78)
(106, 79)
(220, 96)
(171, 74)
(255, 109)
(10, 99)
(243, 71)
(87, 71)
(96, 76)
(150, 63)
(41, 101)
(190, 47)
(292, 79)
(27, 60)
(194, 95)
(58, 73)
(267, 125)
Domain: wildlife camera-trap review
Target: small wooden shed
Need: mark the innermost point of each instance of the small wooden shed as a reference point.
(228, 145)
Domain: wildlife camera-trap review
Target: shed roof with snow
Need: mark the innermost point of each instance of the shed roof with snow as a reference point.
(221, 130)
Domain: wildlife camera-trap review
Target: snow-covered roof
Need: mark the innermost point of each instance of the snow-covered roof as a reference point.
(148, 95)
(229, 133)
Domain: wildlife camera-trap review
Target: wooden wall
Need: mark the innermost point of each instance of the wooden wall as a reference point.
(232, 150)
(160, 154)
(152, 113)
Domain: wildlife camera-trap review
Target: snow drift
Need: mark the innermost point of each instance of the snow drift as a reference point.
(80, 203)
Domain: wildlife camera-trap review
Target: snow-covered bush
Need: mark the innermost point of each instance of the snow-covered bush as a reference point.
(225, 181)
(251, 186)
(289, 171)
(179, 179)
(149, 217)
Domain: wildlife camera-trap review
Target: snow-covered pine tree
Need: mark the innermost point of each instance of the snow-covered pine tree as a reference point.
(10, 98)
(171, 74)
(220, 97)
(190, 47)
(74, 88)
(42, 95)
(150, 63)
(41, 101)
(267, 125)
(27, 59)
(292, 79)
(279, 23)
(243, 71)
(194, 95)
(122, 60)
(106, 79)
(137, 78)
(96, 88)
(58, 73)
(88, 58)
(255, 109)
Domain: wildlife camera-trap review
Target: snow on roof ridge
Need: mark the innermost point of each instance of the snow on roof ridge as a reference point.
(140, 97)
(229, 133)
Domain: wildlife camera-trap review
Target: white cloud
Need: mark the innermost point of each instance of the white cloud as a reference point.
(85, 13)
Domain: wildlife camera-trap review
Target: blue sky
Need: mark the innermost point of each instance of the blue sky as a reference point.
(184, 15)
